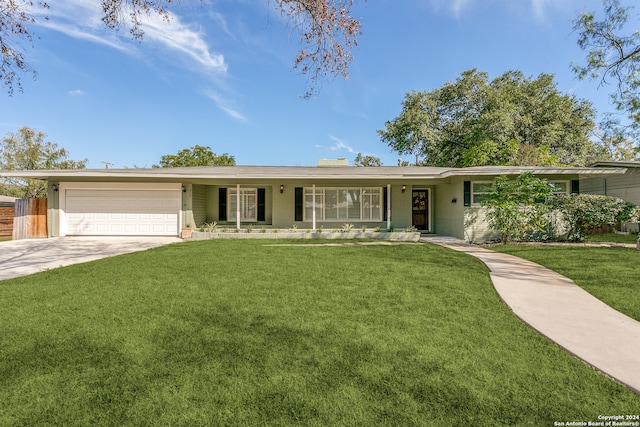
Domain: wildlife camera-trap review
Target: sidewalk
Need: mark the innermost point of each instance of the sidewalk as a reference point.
(560, 310)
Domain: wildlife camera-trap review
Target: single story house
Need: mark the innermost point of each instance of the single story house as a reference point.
(161, 201)
(625, 186)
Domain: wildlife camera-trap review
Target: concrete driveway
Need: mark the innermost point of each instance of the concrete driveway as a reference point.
(22, 257)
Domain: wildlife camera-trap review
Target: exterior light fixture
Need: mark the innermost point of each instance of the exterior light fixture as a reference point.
(454, 200)
(55, 187)
(184, 190)
(404, 188)
(281, 188)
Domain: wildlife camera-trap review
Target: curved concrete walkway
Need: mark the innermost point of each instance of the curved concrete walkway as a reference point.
(563, 312)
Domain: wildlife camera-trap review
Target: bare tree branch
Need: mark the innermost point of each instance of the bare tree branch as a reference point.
(327, 30)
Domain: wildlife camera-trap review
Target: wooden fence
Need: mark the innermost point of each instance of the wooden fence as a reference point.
(30, 219)
(6, 222)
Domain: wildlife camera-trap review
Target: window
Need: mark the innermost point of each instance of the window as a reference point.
(248, 204)
(308, 203)
(343, 204)
(559, 187)
(479, 191)
(371, 204)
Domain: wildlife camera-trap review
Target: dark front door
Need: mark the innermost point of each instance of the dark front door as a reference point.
(420, 209)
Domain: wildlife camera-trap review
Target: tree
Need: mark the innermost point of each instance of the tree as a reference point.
(27, 150)
(328, 32)
(615, 141)
(367, 161)
(512, 120)
(613, 50)
(195, 156)
(516, 208)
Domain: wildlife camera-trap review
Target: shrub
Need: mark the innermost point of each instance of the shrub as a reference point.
(581, 212)
(346, 227)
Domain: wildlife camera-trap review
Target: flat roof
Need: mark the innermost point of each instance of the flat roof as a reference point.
(300, 172)
(619, 164)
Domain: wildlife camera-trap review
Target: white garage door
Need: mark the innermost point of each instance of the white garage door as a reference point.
(123, 212)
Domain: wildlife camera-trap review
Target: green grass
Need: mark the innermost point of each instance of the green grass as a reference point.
(613, 238)
(238, 333)
(611, 274)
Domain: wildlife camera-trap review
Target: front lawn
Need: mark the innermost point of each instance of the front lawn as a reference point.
(613, 238)
(611, 274)
(233, 332)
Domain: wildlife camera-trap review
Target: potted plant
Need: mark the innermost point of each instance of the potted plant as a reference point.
(187, 231)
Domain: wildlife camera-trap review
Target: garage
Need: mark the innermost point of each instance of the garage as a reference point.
(144, 210)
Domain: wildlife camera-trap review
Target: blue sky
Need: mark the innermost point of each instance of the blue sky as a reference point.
(220, 75)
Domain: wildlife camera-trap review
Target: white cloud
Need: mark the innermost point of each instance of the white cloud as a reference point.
(455, 6)
(459, 7)
(76, 92)
(223, 104)
(340, 145)
(180, 37)
(81, 19)
(539, 7)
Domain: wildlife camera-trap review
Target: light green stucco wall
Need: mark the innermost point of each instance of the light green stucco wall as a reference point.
(448, 216)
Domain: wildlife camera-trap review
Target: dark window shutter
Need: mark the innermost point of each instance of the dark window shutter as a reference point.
(575, 186)
(467, 193)
(261, 204)
(384, 203)
(222, 204)
(298, 192)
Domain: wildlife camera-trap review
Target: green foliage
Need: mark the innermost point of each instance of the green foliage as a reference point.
(365, 161)
(346, 227)
(613, 50)
(511, 120)
(210, 226)
(515, 207)
(616, 141)
(583, 211)
(523, 209)
(195, 156)
(27, 150)
(487, 152)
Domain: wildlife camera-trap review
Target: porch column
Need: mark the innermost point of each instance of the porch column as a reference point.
(313, 207)
(238, 206)
(388, 206)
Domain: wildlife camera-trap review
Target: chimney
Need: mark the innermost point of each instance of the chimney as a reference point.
(332, 163)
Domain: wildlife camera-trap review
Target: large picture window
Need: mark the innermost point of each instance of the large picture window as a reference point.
(248, 204)
(343, 204)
